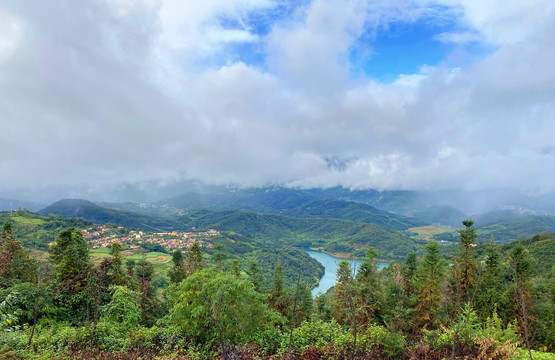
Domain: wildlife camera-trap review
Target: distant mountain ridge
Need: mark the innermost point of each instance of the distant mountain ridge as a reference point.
(85, 209)
(294, 203)
(12, 204)
(332, 235)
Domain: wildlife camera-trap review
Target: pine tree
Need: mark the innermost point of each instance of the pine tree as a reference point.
(521, 264)
(464, 267)
(278, 298)
(144, 273)
(71, 259)
(367, 285)
(15, 264)
(428, 289)
(219, 256)
(492, 293)
(343, 296)
(178, 272)
(256, 276)
(194, 259)
(116, 274)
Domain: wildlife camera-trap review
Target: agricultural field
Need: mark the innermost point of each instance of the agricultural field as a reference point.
(426, 232)
(160, 261)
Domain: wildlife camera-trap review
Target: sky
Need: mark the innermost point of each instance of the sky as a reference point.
(382, 94)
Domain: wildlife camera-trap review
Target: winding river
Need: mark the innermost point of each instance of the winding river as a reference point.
(330, 264)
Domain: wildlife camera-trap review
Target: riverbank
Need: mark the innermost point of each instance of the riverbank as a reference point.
(331, 263)
(347, 256)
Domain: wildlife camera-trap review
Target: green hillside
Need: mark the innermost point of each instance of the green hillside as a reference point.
(332, 235)
(523, 227)
(85, 209)
(36, 231)
(357, 212)
(294, 203)
(542, 250)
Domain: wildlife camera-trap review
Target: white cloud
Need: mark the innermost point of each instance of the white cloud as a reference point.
(458, 37)
(109, 92)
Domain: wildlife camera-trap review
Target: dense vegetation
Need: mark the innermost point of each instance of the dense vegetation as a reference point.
(293, 203)
(34, 231)
(486, 303)
(331, 235)
(78, 208)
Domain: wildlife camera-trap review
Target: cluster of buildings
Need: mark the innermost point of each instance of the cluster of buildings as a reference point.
(102, 236)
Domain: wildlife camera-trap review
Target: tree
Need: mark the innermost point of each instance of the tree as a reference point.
(215, 307)
(178, 272)
(343, 295)
(520, 262)
(219, 256)
(278, 298)
(71, 259)
(256, 276)
(428, 289)
(492, 294)
(144, 272)
(464, 265)
(15, 264)
(122, 310)
(194, 259)
(367, 285)
(117, 275)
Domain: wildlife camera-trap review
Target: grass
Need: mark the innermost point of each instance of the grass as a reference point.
(27, 221)
(430, 230)
(160, 261)
(153, 257)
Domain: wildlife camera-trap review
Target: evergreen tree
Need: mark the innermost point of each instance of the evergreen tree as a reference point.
(306, 303)
(428, 289)
(409, 272)
(343, 296)
(194, 259)
(322, 308)
(71, 259)
(219, 256)
(144, 273)
(178, 272)
(464, 267)
(521, 264)
(15, 264)
(256, 276)
(492, 293)
(235, 266)
(278, 298)
(116, 274)
(367, 285)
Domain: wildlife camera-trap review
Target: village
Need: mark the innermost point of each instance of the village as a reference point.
(104, 236)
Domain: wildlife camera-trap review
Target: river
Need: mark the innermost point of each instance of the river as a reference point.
(330, 264)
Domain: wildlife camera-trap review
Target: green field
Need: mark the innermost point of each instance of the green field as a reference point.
(426, 232)
(160, 261)
(27, 220)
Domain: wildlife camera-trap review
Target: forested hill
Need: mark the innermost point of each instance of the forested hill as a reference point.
(36, 231)
(332, 235)
(295, 203)
(542, 250)
(85, 209)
